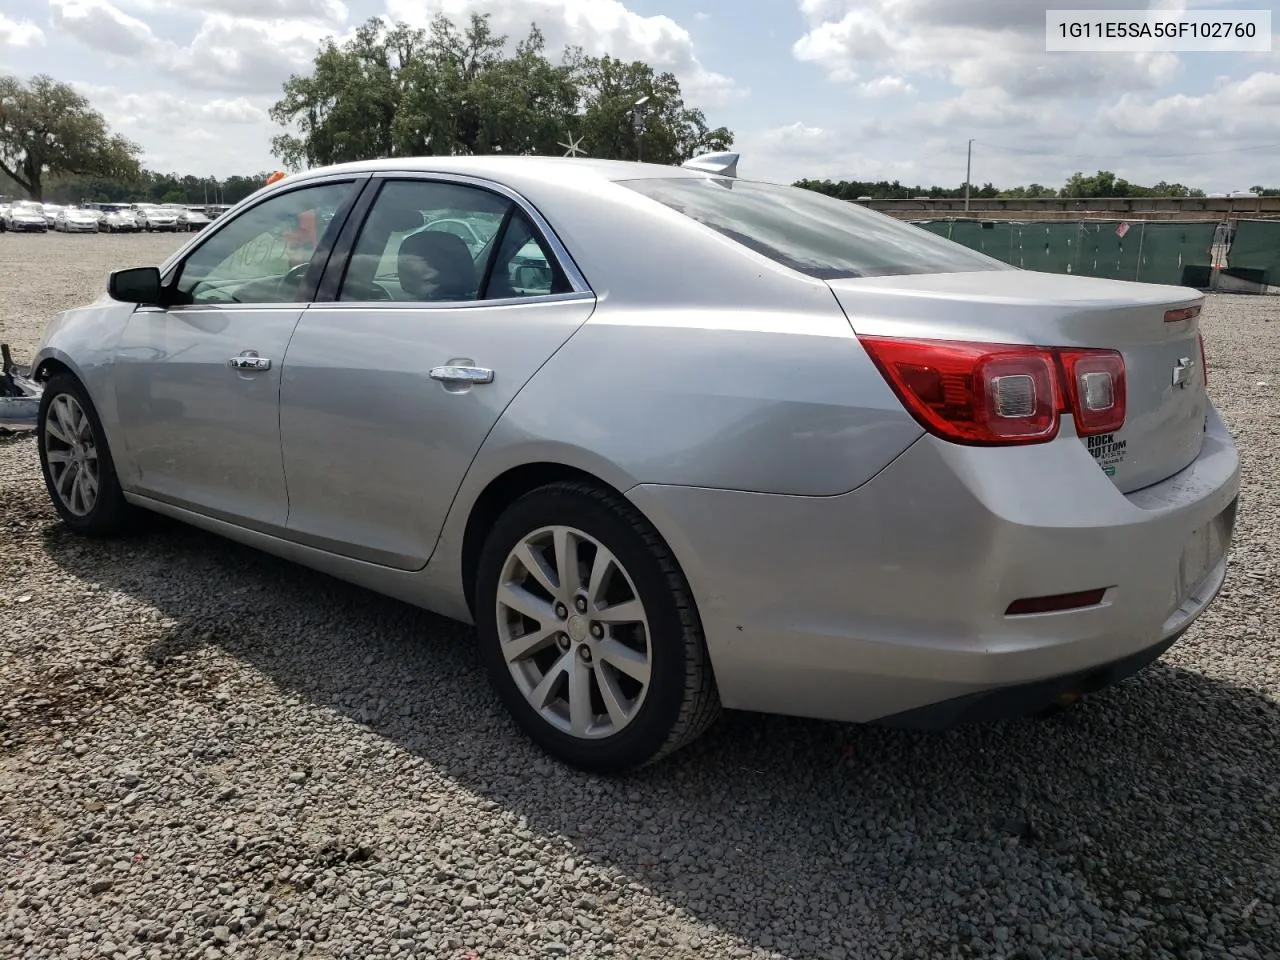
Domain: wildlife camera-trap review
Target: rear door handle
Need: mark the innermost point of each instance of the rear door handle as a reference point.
(250, 363)
(456, 374)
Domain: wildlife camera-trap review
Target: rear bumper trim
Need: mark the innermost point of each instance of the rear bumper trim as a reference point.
(1025, 699)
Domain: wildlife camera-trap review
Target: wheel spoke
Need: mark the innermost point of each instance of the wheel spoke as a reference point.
(611, 696)
(58, 456)
(533, 561)
(522, 601)
(566, 549)
(541, 694)
(89, 486)
(62, 410)
(600, 568)
(628, 611)
(77, 492)
(580, 713)
(520, 648)
(81, 422)
(624, 659)
(54, 429)
(65, 481)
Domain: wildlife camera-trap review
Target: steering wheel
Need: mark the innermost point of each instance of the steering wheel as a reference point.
(294, 274)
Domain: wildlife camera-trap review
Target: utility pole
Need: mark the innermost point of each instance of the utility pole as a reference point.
(968, 177)
(639, 114)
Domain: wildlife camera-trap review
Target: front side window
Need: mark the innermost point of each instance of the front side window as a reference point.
(814, 234)
(429, 241)
(262, 255)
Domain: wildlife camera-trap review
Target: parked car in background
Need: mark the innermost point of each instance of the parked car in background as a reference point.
(194, 219)
(26, 217)
(152, 218)
(50, 212)
(121, 221)
(672, 440)
(75, 220)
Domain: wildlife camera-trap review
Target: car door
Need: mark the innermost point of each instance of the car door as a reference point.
(197, 382)
(417, 343)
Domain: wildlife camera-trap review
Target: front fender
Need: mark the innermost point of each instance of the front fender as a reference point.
(84, 340)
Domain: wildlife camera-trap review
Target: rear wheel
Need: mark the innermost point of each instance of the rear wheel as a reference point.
(76, 461)
(590, 632)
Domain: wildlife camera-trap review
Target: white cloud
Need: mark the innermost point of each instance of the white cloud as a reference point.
(189, 134)
(104, 27)
(978, 43)
(19, 33)
(886, 86)
(1238, 110)
(323, 11)
(598, 26)
(226, 53)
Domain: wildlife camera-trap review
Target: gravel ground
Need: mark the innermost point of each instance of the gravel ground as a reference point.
(206, 752)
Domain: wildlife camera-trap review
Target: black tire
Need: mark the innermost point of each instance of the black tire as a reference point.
(681, 702)
(110, 515)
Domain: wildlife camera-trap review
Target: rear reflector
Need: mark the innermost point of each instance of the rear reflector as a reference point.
(1056, 603)
(989, 394)
(1182, 313)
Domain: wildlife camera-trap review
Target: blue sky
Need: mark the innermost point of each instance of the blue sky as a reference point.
(857, 89)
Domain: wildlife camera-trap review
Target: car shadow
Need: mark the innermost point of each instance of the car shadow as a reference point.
(1155, 801)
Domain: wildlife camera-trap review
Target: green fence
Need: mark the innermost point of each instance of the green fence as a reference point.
(1255, 251)
(1172, 252)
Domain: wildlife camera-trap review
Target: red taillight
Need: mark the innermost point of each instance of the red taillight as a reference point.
(1182, 313)
(1095, 388)
(991, 394)
(1204, 363)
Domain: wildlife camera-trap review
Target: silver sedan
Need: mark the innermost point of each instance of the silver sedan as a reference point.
(671, 439)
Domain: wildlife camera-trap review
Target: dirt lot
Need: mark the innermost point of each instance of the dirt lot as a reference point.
(205, 752)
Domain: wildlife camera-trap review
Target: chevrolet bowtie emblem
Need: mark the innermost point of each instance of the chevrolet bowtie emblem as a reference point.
(1182, 372)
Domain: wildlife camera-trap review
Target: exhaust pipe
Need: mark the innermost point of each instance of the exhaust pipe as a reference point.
(19, 396)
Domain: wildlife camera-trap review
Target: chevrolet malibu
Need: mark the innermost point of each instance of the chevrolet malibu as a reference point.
(673, 440)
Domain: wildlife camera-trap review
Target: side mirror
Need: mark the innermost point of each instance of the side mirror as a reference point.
(135, 285)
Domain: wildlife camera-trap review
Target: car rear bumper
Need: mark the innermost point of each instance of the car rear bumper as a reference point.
(891, 599)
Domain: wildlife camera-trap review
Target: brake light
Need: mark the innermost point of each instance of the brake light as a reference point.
(988, 394)
(1182, 313)
(1095, 389)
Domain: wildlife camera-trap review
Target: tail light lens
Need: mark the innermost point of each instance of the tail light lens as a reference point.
(1095, 389)
(988, 394)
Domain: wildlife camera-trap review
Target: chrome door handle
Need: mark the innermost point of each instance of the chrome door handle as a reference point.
(453, 374)
(250, 363)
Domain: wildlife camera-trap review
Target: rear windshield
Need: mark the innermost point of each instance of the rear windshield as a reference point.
(812, 233)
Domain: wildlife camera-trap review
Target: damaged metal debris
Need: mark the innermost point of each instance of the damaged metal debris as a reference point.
(19, 396)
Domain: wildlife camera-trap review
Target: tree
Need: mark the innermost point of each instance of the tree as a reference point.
(392, 90)
(47, 127)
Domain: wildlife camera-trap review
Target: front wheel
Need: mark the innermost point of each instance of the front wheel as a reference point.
(590, 632)
(76, 461)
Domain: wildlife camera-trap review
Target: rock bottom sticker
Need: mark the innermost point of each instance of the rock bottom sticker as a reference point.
(1107, 451)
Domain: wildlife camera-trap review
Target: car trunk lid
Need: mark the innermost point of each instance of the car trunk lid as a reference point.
(1156, 329)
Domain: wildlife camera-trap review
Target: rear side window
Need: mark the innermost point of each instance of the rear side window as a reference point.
(814, 234)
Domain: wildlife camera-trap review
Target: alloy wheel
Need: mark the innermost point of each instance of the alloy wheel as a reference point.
(574, 632)
(72, 454)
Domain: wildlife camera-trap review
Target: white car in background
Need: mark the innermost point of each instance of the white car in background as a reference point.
(120, 221)
(50, 212)
(156, 218)
(26, 217)
(193, 219)
(75, 220)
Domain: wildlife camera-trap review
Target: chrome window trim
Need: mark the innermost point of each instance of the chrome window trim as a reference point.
(449, 304)
(558, 250)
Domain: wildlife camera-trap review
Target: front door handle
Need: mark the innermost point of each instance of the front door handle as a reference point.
(250, 363)
(457, 374)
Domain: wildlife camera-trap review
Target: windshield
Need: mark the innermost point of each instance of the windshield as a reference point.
(814, 234)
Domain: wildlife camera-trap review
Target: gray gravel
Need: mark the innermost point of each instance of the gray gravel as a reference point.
(206, 752)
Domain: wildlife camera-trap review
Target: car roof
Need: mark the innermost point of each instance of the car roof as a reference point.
(544, 168)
